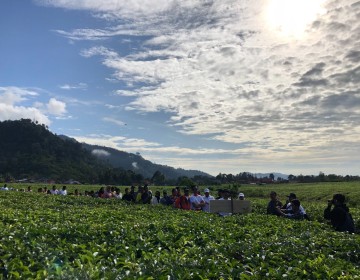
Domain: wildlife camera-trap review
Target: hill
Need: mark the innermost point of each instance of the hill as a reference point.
(136, 163)
(30, 150)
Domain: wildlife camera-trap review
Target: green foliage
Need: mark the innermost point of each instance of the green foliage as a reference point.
(29, 150)
(57, 237)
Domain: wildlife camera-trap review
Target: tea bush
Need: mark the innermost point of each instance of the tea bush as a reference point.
(57, 237)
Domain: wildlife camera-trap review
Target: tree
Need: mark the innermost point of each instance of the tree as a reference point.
(158, 178)
(271, 176)
(185, 181)
(291, 177)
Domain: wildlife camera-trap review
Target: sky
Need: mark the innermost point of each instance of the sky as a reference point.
(221, 86)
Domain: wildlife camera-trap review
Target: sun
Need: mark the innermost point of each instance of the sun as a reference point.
(292, 17)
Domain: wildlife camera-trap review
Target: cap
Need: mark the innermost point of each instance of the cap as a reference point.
(206, 190)
(241, 195)
(292, 195)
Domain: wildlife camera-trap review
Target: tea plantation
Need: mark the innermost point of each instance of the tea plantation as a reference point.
(68, 237)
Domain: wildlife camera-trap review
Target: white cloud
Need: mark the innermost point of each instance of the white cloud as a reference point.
(56, 107)
(11, 99)
(8, 112)
(13, 95)
(115, 8)
(116, 142)
(252, 158)
(217, 70)
(14, 105)
(115, 121)
(81, 86)
(100, 153)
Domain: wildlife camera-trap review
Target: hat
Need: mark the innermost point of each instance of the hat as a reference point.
(241, 195)
(206, 190)
(292, 195)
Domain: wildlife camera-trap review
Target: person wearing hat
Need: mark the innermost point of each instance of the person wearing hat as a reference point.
(207, 197)
(241, 196)
(274, 205)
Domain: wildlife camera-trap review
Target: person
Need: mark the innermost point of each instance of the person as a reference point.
(241, 196)
(207, 197)
(118, 193)
(166, 200)
(156, 198)
(133, 192)
(54, 190)
(295, 213)
(4, 188)
(108, 192)
(274, 205)
(174, 196)
(146, 195)
(178, 191)
(138, 194)
(225, 195)
(196, 200)
(29, 189)
(287, 207)
(183, 202)
(128, 196)
(220, 194)
(63, 191)
(339, 215)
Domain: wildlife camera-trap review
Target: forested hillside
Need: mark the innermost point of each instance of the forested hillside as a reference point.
(30, 150)
(136, 163)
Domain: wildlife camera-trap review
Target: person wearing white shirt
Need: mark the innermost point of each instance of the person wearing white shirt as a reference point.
(196, 200)
(54, 190)
(156, 198)
(207, 197)
(288, 206)
(63, 191)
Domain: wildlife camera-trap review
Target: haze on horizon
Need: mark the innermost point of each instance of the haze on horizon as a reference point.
(216, 85)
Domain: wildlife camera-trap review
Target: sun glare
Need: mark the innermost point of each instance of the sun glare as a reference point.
(292, 17)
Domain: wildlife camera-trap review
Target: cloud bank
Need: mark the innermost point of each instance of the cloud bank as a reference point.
(219, 70)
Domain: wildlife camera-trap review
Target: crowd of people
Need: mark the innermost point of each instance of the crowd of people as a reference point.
(336, 212)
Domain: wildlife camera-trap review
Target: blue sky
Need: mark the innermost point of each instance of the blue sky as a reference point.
(214, 85)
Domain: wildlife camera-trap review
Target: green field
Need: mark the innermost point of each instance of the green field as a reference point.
(56, 237)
